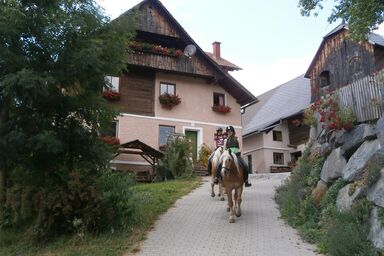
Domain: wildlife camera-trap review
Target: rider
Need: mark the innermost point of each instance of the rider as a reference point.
(219, 138)
(232, 143)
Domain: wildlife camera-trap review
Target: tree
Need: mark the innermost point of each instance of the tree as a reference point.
(362, 16)
(54, 56)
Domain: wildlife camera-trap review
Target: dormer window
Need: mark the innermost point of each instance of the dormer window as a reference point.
(325, 79)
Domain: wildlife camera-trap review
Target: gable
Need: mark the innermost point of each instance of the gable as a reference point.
(156, 26)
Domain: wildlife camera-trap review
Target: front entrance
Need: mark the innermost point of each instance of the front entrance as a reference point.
(192, 137)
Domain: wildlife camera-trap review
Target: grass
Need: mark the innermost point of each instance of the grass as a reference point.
(151, 201)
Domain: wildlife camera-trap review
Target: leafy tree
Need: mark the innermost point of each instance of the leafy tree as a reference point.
(362, 16)
(54, 56)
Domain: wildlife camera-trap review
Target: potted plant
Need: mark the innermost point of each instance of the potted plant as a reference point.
(169, 100)
(221, 109)
(111, 95)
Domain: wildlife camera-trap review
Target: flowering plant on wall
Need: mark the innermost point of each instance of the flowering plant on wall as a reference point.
(332, 115)
(154, 48)
(110, 140)
(111, 95)
(169, 100)
(221, 108)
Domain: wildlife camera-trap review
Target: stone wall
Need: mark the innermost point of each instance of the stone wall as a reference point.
(356, 156)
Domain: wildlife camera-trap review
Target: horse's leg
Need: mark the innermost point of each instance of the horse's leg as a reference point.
(213, 172)
(221, 191)
(239, 192)
(230, 205)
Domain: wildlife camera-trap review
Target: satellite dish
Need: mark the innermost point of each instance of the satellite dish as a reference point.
(190, 50)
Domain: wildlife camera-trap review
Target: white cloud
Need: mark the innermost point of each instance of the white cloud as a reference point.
(260, 78)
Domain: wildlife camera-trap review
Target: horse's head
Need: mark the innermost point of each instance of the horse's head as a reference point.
(228, 161)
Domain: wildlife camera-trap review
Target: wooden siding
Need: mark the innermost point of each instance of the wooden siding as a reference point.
(182, 64)
(150, 19)
(137, 88)
(365, 97)
(345, 59)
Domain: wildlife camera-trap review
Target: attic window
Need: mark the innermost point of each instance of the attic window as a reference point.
(325, 79)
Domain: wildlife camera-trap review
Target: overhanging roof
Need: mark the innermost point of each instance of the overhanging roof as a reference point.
(141, 148)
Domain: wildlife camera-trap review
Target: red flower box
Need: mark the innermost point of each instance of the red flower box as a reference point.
(221, 109)
(111, 95)
(169, 100)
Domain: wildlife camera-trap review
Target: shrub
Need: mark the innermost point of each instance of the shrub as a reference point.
(176, 161)
(204, 153)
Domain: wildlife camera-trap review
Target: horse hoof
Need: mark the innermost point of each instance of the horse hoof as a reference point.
(222, 199)
(231, 220)
(228, 209)
(238, 214)
(212, 195)
(218, 194)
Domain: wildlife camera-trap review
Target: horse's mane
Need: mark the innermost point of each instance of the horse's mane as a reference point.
(228, 153)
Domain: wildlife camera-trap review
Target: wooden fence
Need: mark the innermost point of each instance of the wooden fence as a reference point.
(365, 97)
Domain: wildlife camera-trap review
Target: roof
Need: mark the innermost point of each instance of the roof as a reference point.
(229, 83)
(373, 38)
(141, 147)
(223, 62)
(277, 104)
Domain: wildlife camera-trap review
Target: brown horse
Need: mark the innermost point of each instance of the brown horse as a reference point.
(215, 163)
(232, 178)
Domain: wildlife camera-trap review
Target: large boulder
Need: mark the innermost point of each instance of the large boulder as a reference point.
(333, 166)
(345, 198)
(380, 130)
(376, 232)
(359, 160)
(376, 192)
(337, 138)
(357, 136)
(319, 191)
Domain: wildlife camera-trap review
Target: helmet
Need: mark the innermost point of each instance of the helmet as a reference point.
(230, 128)
(219, 129)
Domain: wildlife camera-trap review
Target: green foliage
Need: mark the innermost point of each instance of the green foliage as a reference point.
(361, 15)
(176, 161)
(204, 153)
(334, 232)
(150, 200)
(373, 174)
(54, 56)
(116, 199)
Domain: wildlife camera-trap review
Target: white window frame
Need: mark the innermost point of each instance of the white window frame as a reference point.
(112, 83)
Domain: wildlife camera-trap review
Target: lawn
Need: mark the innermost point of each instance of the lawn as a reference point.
(151, 201)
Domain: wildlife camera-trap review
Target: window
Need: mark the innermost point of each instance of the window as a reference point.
(112, 130)
(218, 99)
(167, 88)
(278, 158)
(325, 79)
(277, 136)
(164, 132)
(112, 83)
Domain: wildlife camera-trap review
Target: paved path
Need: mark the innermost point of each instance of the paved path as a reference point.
(198, 225)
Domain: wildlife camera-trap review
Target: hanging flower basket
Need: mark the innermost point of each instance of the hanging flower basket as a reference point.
(110, 140)
(221, 109)
(111, 95)
(169, 100)
(154, 48)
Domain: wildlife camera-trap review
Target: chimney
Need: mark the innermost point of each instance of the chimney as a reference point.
(216, 50)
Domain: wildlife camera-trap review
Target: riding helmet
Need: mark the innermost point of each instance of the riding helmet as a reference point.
(230, 128)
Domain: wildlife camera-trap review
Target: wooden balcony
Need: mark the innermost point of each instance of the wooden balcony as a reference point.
(181, 64)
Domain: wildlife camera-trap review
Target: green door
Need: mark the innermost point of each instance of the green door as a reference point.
(192, 137)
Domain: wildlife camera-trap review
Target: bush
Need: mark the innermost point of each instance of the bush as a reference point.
(204, 154)
(176, 161)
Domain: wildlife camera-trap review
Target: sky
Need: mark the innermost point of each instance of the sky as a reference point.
(268, 39)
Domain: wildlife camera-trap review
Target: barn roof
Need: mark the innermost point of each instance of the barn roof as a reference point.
(277, 104)
(374, 39)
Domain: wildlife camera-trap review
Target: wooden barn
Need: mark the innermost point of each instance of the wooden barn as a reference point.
(340, 61)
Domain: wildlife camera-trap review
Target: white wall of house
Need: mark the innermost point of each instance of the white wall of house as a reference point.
(261, 147)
